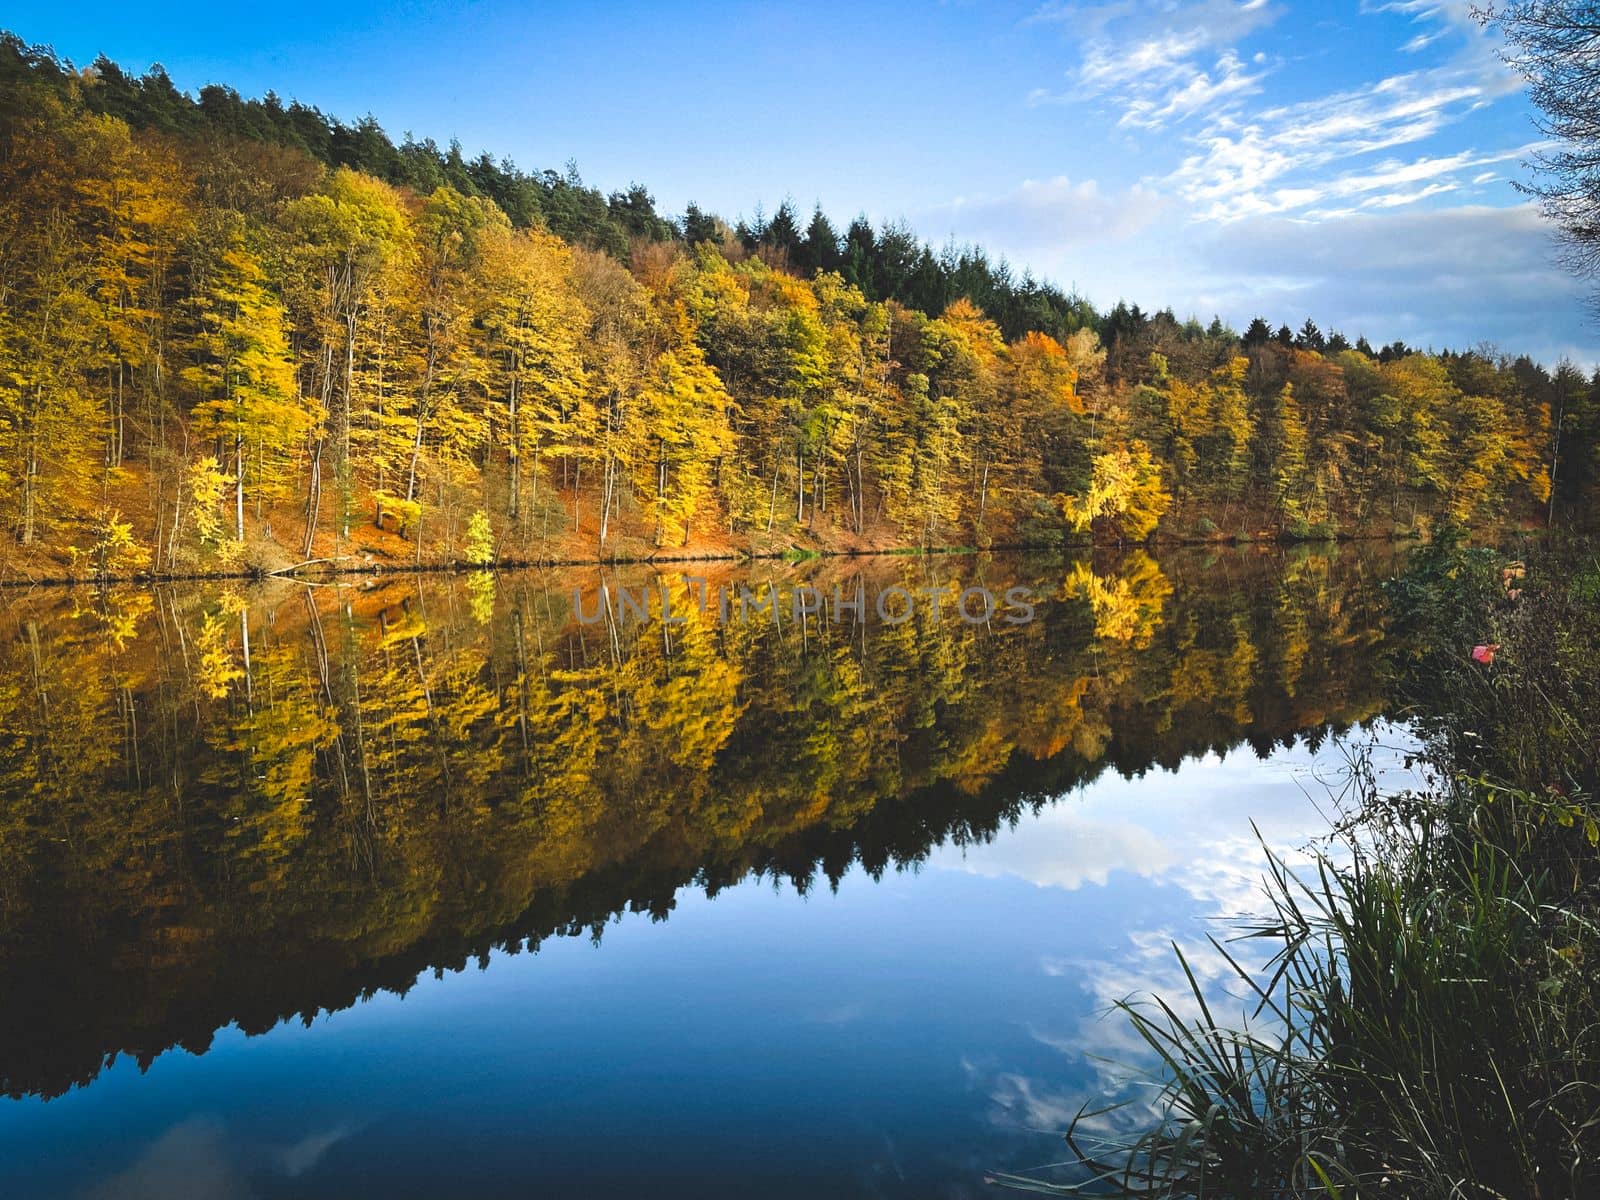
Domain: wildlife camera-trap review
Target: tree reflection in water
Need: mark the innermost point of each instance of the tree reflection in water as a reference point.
(248, 804)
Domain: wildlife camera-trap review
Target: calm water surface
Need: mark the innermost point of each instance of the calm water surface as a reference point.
(489, 886)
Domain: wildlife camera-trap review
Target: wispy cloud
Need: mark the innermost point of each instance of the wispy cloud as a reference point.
(1160, 62)
(1300, 155)
(1188, 68)
(1423, 40)
(1203, 92)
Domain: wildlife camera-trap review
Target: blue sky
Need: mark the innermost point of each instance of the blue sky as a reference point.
(1348, 161)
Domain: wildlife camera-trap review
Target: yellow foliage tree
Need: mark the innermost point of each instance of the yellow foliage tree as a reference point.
(1126, 496)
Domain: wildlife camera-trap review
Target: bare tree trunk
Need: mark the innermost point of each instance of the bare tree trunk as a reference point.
(314, 488)
(244, 637)
(114, 457)
(342, 466)
(1555, 462)
(514, 509)
(861, 491)
(423, 403)
(177, 503)
(608, 484)
(238, 486)
(313, 500)
(772, 505)
(661, 485)
(522, 681)
(30, 487)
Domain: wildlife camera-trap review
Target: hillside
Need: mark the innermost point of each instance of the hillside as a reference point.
(239, 335)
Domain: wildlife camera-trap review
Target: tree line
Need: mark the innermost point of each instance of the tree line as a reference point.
(238, 333)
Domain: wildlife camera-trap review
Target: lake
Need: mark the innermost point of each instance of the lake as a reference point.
(786, 880)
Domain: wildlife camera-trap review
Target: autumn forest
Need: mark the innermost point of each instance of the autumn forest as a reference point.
(239, 335)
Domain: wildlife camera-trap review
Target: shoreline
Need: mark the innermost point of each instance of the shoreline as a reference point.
(320, 570)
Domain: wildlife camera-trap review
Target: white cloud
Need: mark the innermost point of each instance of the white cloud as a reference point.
(1440, 277)
(201, 1157)
(1148, 58)
(1069, 849)
(196, 1157)
(1419, 272)
(295, 1160)
(1423, 40)
(1397, 199)
(1204, 91)
(1020, 1102)
(1047, 214)
(1198, 838)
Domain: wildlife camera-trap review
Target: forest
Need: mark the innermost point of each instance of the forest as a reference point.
(238, 335)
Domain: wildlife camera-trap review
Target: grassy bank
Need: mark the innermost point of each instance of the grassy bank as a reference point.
(1429, 1025)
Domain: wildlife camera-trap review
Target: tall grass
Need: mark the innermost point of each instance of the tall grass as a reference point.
(1428, 1024)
